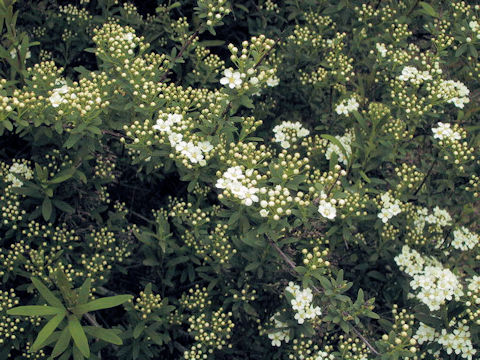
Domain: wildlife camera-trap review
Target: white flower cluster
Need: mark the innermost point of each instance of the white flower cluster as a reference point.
(413, 75)
(475, 26)
(57, 97)
(323, 355)
(16, 170)
(282, 334)
(439, 217)
(346, 141)
(346, 106)
(474, 285)
(326, 208)
(444, 131)
(454, 92)
(436, 285)
(459, 342)
(410, 261)
(391, 207)
(232, 79)
(235, 182)
(193, 152)
(424, 334)
(302, 303)
(463, 239)
(273, 81)
(382, 49)
(288, 132)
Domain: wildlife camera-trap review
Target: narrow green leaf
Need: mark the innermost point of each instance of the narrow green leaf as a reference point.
(63, 175)
(78, 335)
(107, 335)
(62, 205)
(46, 208)
(47, 294)
(62, 343)
(84, 291)
(34, 310)
(47, 331)
(103, 303)
(428, 9)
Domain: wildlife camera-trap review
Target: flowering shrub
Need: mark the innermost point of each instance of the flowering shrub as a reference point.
(221, 179)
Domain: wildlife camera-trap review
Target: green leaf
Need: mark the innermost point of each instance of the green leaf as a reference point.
(46, 208)
(47, 331)
(107, 335)
(63, 175)
(47, 294)
(34, 310)
(62, 343)
(62, 205)
(137, 331)
(78, 335)
(103, 303)
(84, 291)
(428, 9)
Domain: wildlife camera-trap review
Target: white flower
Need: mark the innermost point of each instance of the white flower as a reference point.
(162, 126)
(273, 81)
(56, 99)
(174, 138)
(205, 146)
(326, 209)
(232, 79)
(264, 213)
(463, 239)
(174, 118)
(346, 106)
(382, 49)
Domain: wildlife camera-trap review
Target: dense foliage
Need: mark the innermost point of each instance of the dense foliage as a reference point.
(215, 179)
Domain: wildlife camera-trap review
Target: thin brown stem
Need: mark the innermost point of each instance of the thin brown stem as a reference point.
(317, 290)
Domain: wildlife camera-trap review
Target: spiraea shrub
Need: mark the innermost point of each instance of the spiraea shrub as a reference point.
(255, 179)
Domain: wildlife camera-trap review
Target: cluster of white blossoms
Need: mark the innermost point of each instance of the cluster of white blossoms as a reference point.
(436, 285)
(453, 92)
(195, 153)
(410, 261)
(390, 207)
(475, 26)
(58, 94)
(346, 141)
(443, 131)
(237, 184)
(382, 49)
(474, 284)
(327, 208)
(463, 239)
(282, 334)
(425, 334)
(346, 106)
(17, 173)
(289, 132)
(413, 75)
(302, 303)
(232, 79)
(459, 342)
(439, 217)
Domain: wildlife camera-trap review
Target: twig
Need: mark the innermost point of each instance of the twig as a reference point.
(426, 176)
(292, 265)
(180, 53)
(91, 319)
(372, 349)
